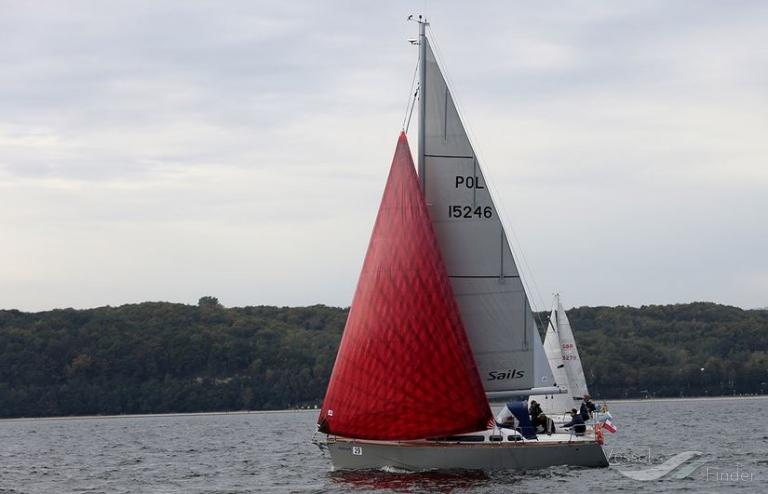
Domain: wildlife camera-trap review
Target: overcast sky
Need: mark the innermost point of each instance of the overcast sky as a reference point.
(170, 150)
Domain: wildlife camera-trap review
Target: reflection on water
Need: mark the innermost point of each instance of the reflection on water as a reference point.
(432, 481)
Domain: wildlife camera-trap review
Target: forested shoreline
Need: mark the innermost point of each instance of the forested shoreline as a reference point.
(159, 357)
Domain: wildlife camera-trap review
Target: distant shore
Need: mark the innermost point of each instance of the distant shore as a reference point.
(158, 415)
(161, 358)
(316, 410)
(692, 398)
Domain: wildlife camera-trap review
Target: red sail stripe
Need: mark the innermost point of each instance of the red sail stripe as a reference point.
(404, 369)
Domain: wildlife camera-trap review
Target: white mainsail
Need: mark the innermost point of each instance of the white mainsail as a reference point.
(485, 279)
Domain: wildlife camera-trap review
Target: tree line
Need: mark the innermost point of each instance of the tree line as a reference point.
(159, 357)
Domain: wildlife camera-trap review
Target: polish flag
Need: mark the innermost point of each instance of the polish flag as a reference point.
(608, 425)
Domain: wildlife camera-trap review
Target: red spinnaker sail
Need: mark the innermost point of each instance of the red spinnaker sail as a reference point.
(404, 369)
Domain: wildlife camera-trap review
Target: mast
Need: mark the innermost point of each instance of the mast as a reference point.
(422, 99)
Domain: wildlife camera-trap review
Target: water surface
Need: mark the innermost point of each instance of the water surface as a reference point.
(273, 452)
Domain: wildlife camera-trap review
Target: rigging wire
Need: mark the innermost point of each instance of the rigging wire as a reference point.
(529, 282)
(410, 113)
(411, 98)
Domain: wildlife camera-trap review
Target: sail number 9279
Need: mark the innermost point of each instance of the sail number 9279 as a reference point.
(470, 212)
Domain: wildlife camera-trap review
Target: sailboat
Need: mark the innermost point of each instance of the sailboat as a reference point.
(563, 355)
(440, 327)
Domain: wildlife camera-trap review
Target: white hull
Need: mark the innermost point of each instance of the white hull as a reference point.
(509, 453)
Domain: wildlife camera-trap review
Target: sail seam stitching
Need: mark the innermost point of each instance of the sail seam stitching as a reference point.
(483, 276)
(446, 156)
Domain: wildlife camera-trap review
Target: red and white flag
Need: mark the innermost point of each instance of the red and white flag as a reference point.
(608, 425)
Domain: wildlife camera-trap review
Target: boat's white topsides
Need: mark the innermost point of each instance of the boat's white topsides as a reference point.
(488, 437)
(491, 449)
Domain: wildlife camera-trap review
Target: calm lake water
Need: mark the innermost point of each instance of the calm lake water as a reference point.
(272, 452)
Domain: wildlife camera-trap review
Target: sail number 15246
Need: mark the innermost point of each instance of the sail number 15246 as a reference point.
(470, 212)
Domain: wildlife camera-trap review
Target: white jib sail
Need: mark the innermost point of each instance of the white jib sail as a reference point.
(490, 294)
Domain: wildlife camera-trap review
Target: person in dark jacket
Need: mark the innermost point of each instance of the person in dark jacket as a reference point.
(587, 408)
(535, 411)
(539, 419)
(579, 428)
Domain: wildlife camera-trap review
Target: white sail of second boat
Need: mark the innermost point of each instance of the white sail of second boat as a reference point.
(563, 356)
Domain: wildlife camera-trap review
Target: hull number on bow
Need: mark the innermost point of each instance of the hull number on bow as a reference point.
(470, 212)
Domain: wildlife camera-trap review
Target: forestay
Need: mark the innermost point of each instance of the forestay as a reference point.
(492, 301)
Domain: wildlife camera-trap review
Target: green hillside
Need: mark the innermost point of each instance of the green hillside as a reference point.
(159, 357)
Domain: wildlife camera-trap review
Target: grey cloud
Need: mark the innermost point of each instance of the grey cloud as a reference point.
(253, 138)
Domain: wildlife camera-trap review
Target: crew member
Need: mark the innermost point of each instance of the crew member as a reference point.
(587, 408)
(579, 427)
(539, 419)
(535, 411)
